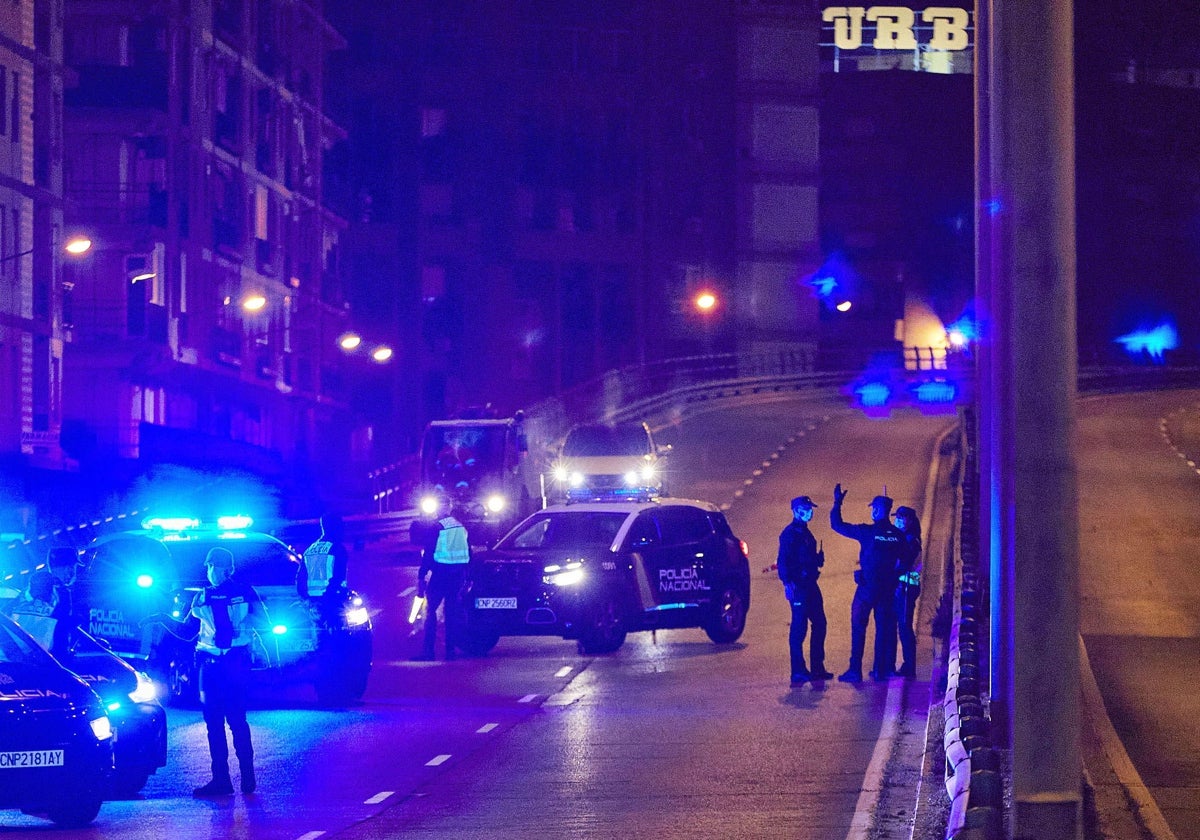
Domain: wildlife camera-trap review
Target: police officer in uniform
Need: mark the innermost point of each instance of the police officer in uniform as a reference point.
(447, 553)
(321, 578)
(799, 564)
(881, 546)
(908, 588)
(46, 609)
(223, 618)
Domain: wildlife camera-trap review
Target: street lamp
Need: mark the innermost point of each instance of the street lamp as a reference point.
(350, 341)
(254, 303)
(381, 353)
(706, 301)
(76, 246)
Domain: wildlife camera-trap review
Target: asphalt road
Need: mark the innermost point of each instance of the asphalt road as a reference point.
(1140, 585)
(672, 736)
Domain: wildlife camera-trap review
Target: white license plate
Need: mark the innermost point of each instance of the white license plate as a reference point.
(495, 603)
(10, 759)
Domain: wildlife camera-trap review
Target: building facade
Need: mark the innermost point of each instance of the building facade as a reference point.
(202, 328)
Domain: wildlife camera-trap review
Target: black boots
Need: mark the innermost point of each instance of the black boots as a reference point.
(217, 787)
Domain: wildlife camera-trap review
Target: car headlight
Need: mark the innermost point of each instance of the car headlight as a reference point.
(144, 691)
(631, 478)
(429, 505)
(101, 728)
(568, 575)
(648, 472)
(495, 504)
(576, 479)
(357, 616)
(561, 474)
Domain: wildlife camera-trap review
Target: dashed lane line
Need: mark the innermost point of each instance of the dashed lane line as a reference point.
(528, 698)
(438, 759)
(486, 728)
(563, 671)
(379, 797)
(311, 835)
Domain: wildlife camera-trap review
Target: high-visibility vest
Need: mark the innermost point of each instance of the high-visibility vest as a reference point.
(224, 613)
(318, 565)
(452, 548)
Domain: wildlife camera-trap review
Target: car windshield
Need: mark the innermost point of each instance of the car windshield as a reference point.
(257, 562)
(572, 530)
(594, 441)
(17, 647)
(453, 455)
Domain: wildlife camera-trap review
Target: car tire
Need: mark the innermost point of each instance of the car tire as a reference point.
(127, 782)
(76, 811)
(607, 631)
(727, 618)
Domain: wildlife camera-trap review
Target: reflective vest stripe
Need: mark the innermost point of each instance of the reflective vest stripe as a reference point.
(318, 566)
(452, 548)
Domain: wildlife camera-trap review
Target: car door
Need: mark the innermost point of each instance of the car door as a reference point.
(676, 573)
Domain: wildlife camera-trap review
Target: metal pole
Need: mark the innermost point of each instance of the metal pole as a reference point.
(1031, 117)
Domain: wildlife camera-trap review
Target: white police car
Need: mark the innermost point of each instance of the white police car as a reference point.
(596, 571)
(131, 575)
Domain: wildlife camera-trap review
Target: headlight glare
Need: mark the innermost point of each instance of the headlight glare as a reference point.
(144, 691)
(429, 505)
(568, 575)
(357, 616)
(101, 728)
(495, 504)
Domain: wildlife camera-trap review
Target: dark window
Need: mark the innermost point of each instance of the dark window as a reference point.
(682, 525)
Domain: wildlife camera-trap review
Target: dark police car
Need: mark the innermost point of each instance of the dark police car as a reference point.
(132, 575)
(596, 571)
(56, 742)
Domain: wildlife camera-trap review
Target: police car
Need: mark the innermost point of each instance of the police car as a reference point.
(56, 740)
(595, 571)
(131, 575)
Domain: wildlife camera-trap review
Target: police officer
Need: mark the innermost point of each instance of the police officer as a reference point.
(223, 619)
(908, 587)
(321, 578)
(881, 546)
(799, 565)
(46, 609)
(445, 559)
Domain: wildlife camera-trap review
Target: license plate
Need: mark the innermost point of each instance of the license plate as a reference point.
(495, 603)
(10, 759)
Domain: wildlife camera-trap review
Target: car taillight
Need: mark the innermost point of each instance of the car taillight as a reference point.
(745, 549)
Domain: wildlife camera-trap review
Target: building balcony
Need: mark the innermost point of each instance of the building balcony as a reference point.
(107, 86)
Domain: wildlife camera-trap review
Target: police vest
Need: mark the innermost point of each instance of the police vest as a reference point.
(224, 615)
(318, 565)
(451, 548)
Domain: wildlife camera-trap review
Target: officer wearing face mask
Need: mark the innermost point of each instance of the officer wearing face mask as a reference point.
(46, 610)
(799, 563)
(223, 620)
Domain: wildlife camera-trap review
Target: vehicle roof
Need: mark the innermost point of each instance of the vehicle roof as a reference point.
(628, 506)
(438, 424)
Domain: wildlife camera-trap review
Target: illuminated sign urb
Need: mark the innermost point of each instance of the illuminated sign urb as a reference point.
(895, 27)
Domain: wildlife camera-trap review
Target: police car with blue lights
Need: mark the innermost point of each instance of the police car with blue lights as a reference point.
(56, 739)
(132, 575)
(596, 571)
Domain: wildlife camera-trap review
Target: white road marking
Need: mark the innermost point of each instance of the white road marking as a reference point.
(437, 759)
(486, 728)
(312, 835)
(563, 671)
(407, 592)
(748, 482)
(872, 784)
(528, 698)
(379, 797)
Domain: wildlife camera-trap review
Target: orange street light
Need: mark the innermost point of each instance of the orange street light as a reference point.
(350, 341)
(706, 301)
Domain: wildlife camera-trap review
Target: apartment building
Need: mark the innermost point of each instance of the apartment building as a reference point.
(203, 327)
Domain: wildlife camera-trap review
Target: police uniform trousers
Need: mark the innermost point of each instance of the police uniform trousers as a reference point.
(808, 608)
(224, 688)
(906, 610)
(445, 587)
(881, 602)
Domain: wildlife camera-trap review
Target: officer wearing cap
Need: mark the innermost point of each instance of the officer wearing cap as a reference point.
(223, 619)
(799, 564)
(881, 546)
(445, 558)
(46, 608)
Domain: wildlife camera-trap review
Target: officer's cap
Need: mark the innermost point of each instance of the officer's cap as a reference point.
(885, 501)
(219, 558)
(803, 502)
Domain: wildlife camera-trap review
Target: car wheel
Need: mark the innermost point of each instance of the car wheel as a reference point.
(76, 811)
(728, 617)
(127, 782)
(607, 631)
